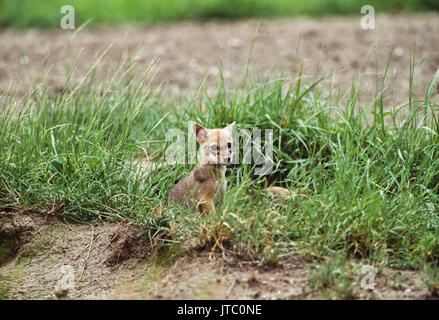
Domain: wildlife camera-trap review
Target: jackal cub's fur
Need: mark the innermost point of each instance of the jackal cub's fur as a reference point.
(201, 189)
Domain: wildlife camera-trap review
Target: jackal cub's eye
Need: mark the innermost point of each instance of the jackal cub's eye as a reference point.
(229, 145)
(214, 148)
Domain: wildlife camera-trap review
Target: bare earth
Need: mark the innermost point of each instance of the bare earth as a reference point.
(335, 47)
(117, 261)
(111, 260)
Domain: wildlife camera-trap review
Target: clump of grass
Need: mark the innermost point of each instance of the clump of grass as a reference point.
(372, 188)
(431, 280)
(335, 279)
(71, 151)
(430, 245)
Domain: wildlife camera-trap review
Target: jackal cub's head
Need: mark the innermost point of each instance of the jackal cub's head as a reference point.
(216, 144)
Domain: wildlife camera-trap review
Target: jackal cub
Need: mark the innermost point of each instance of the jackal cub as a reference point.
(201, 189)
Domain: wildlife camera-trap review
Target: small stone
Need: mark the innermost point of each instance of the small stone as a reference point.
(399, 52)
(61, 293)
(235, 42)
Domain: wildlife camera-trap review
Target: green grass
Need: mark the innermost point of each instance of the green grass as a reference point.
(335, 279)
(37, 13)
(372, 186)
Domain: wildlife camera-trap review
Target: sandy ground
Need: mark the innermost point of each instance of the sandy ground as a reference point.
(336, 47)
(117, 261)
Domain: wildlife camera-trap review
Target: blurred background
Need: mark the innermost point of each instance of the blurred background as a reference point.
(192, 40)
(37, 13)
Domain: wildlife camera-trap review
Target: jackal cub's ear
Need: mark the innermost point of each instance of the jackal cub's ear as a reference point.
(230, 126)
(200, 132)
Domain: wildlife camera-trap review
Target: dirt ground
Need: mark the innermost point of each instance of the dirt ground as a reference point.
(337, 47)
(117, 261)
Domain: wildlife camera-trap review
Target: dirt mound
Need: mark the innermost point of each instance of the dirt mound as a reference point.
(128, 242)
(41, 252)
(49, 259)
(17, 229)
